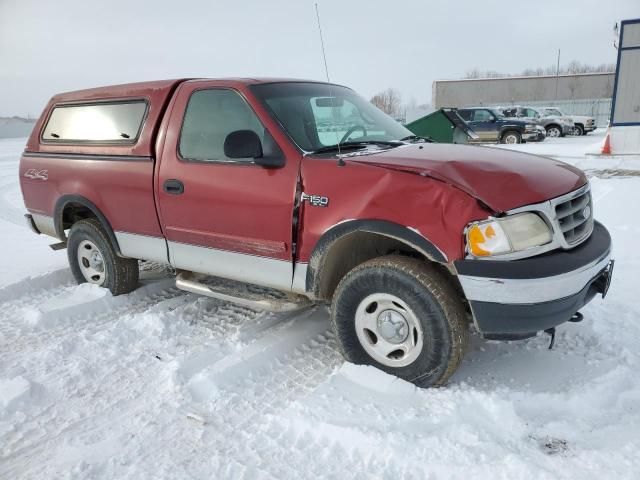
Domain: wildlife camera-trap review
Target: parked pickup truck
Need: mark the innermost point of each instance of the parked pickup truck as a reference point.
(582, 123)
(555, 125)
(492, 126)
(410, 242)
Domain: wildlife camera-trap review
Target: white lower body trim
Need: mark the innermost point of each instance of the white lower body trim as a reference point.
(299, 284)
(45, 224)
(142, 247)
(267, 272)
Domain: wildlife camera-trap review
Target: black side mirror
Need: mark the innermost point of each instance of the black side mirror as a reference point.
(242, 144)
(246, 144)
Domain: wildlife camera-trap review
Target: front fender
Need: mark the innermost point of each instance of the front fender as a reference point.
(323, 248)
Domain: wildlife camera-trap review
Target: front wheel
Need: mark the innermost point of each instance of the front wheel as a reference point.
(402, 316)
(93, 259)
(511, 138)
(578, 130)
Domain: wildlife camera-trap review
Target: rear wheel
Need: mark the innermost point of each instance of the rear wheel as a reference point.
(401, 315)
(511, 137)
(93, 259)
(554, 131)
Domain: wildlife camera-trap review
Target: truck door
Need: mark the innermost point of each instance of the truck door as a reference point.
(222, 216)
(484, 123)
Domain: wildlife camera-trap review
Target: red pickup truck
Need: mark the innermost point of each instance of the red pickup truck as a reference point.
(309, 192)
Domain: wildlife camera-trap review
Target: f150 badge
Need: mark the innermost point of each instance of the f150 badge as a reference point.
(37, 174)
(315, 200)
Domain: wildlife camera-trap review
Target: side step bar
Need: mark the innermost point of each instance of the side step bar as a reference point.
(258, 298)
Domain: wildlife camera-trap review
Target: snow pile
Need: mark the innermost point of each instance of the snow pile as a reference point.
(12, 392)
(164, 384)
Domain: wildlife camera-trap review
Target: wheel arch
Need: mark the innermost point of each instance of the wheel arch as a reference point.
(71, 208)
(350, 243)
(509, 130)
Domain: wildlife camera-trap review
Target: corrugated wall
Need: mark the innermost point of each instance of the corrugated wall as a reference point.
(521, 90)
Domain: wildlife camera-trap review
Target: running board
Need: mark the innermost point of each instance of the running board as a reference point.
(247, 295)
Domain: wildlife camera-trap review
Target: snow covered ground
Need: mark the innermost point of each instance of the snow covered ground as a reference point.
(165, 384)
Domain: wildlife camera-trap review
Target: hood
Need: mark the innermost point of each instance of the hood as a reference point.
(502, 179)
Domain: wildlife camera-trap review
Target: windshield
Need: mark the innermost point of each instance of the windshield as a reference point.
(497, 113)
(318, 115)
(554, 111)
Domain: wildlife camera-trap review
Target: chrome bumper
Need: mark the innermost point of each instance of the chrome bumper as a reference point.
(532, 290)
(514, 299)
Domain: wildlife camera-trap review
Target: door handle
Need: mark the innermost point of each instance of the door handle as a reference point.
(173, 187)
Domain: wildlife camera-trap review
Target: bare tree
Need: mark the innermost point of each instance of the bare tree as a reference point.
(572, 68)
(388, 101)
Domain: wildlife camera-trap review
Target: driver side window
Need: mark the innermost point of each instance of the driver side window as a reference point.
(212, 115)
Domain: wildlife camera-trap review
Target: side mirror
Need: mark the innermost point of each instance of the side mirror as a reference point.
(243, 144)
(493, 120)
(246, 144)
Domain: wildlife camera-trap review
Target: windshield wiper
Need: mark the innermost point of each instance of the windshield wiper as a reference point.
(414, 138)
(356, 145)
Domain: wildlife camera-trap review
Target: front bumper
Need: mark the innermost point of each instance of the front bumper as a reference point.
(541, 134)
(516, 299)
(530, 136)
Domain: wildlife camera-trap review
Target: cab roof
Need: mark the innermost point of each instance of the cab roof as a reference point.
(157, 87)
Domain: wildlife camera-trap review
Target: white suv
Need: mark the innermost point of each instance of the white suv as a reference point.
(582, 124)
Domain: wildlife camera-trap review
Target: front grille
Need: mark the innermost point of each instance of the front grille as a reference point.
(575, 217)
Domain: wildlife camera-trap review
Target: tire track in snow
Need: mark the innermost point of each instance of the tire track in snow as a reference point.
(252, 386)
(90, 316)
(114, 410)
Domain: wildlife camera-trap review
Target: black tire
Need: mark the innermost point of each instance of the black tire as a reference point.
(120, 274)
(427, 293)
(555, 128)
(578, 130)
(511, 134)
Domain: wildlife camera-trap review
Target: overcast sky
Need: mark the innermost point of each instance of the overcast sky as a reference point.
(50, 46)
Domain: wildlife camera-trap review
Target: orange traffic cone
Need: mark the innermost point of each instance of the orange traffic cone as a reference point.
(606, 148)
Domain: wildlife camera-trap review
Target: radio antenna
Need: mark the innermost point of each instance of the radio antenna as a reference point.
(326, 71)
(324, 55)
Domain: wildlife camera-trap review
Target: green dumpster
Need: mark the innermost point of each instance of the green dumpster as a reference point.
(442, 126)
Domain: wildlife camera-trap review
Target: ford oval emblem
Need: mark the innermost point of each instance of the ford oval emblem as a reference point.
(586, 213)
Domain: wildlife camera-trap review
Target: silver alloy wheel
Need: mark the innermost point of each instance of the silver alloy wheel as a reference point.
(91, 262)
(388, 330)
(511, 138)
(554, 132)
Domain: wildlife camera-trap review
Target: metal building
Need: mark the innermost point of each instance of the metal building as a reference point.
(584, 94)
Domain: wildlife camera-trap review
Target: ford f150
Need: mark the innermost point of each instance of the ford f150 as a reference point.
(310, 192)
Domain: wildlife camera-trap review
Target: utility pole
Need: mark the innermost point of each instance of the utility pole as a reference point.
(557, 74)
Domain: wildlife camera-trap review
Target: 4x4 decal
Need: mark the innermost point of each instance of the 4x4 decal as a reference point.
(37, 174)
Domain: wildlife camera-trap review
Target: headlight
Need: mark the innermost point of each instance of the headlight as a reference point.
(530, 128)
(509, 234)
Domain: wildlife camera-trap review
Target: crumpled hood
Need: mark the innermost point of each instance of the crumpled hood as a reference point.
(502, 179)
